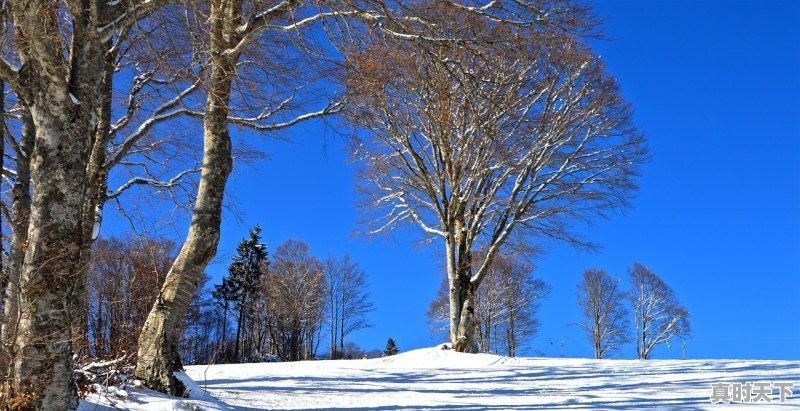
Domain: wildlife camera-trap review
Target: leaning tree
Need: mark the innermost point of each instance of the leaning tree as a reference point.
(485, 134)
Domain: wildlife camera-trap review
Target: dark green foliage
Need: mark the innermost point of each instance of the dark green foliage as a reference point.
(237, 293)
(391, 347)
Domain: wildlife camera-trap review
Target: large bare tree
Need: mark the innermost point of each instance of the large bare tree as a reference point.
(235, 27)
(485, 134)
(56, 70)
(657, 313)
(605, 316)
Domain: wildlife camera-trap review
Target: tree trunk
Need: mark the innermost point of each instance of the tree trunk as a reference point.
(462, 299)
(158, 342)
(465, 336)
(50, 279)
(20, 213)
(63, 101)
(236, 351)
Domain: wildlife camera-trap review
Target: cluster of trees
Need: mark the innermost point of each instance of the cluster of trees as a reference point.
(264, 308)
(487, 125)
(488, 144)
(122, 284)
(505, 307)
(280, 305)
(657, 313)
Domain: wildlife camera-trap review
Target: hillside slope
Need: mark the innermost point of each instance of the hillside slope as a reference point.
(435, 379)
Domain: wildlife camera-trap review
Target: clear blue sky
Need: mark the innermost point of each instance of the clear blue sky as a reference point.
(715, 87)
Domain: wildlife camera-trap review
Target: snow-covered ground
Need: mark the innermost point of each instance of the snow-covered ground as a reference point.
(435, 379)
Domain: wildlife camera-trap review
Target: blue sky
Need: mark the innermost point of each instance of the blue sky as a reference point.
(715, 88)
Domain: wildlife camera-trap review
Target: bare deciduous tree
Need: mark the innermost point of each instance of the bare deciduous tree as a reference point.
(57, 72)
(294, 291)
(123, 280)
(657, 314)
(234, 29)
(487, 135)
(606, 318)
(346, 301)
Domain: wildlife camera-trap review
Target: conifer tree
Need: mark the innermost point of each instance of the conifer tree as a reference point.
(391, 347)
(245, 273)
(237, 292)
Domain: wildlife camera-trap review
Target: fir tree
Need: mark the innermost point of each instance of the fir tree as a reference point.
(245, 272)
(240, 286)
(391, 347)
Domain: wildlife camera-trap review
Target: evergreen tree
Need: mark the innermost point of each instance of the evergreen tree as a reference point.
(245, 273)
(391, 347)
(238, 290)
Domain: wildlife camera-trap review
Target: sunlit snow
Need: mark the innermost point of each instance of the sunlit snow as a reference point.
(436, 379)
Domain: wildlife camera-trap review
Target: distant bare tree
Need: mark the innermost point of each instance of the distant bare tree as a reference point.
(657, 314)
(198, 343)
(603, 305)
(294, 291)
(487, 135)
(122, 283)
(522, 295)
(346, 301)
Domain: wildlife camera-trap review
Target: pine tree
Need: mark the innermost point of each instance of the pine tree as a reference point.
(391, 347)
(239, 288)
(245, 273)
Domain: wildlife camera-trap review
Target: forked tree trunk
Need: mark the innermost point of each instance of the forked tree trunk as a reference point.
(158, 354)
(63, 106)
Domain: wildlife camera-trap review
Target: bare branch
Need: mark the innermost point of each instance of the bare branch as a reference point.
(168, 184)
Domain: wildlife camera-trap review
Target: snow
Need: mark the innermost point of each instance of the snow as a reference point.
(436, 379)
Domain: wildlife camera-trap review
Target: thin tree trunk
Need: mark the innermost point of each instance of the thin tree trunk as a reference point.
(239, 325)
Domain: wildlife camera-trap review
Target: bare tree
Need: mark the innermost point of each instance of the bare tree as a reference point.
(346, 300)
(657, 314)
(294, 287)
(497, 134)
(606, 318)
(122, 283)
(522, 295)
(56, 70)
(199, 335)
(234, 29)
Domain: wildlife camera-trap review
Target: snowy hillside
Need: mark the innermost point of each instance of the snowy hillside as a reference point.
(435, 379)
